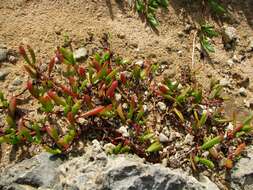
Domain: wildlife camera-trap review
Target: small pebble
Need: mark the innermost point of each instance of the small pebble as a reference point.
(80, 53)
(189, 139)
(145, 108)
(17, 82)
(242, 92)
(229, 34)
(123, 131)
(3, 74)
(230, 62)
(140, 63)
(12, 59)
(108, 148)
(161, 106)
(163, 138)
(3, 54)
(125, 106)
(224, 82)
(118, 96)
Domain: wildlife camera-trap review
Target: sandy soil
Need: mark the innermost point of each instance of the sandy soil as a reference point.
(44, 23)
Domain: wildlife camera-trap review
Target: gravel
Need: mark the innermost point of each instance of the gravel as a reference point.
(80, 53)
(161, 106)
(163, 138)
(3, 54)
(3, 74)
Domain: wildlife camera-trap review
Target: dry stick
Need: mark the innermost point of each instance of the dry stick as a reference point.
(193, 48)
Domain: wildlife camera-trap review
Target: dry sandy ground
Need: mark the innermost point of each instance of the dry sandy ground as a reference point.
(44, 23)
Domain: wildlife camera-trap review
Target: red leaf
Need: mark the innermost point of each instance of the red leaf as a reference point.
(71, 117)
(111, 90)
(163, 89)
(68, 91)
(123, 78)
(239, 149)
(51, 66)
(93, 112)
(58, 100)
(12, 106)
(22, 51)
(96, 65)
(72, 81)
(32, 90)
(59, 56)
(31, 72)
(87, 99)
(81, 71)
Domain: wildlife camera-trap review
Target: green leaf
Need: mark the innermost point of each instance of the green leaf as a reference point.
(207, 45)
(125, 149)
(53, 151)
(106, 57)
(68, 138)
(26, 134)
(68, 56)
(179, 114)
(197, 94)
(209, 144)
(247, 128)
(76, 107)
(216, 91)
(172, 85)
(112, 74)
(10, 122)
(155, 147)
(152, 20)
(36, 128)
(248, 120)
(216, 7)
(204, 161)
(139, 6)
(146, 137)
(164, 3)
(116, 150)
(31, 51)
(140, 114)
(203, 119)
(209, 31)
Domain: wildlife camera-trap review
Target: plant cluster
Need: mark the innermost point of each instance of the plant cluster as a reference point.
(108, 99)
(148, 8)
(199, 114)
(206, 33)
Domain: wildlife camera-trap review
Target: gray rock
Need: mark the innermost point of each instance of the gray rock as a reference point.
(3, 54)
(242, 91)
(121, 36)
(250, 46)
(244, 82)
(139, 63)
(229, 34)
(80, 53)
(242, 176)
(97, 171)
(3, 74)
(123, 131)
(161, 106)
(189, 139)
(17, 81)
(230, 62)
(39, 171)
(12, 59)
(163, 138)
(224, 82)
(124, 173)
(249, 103)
